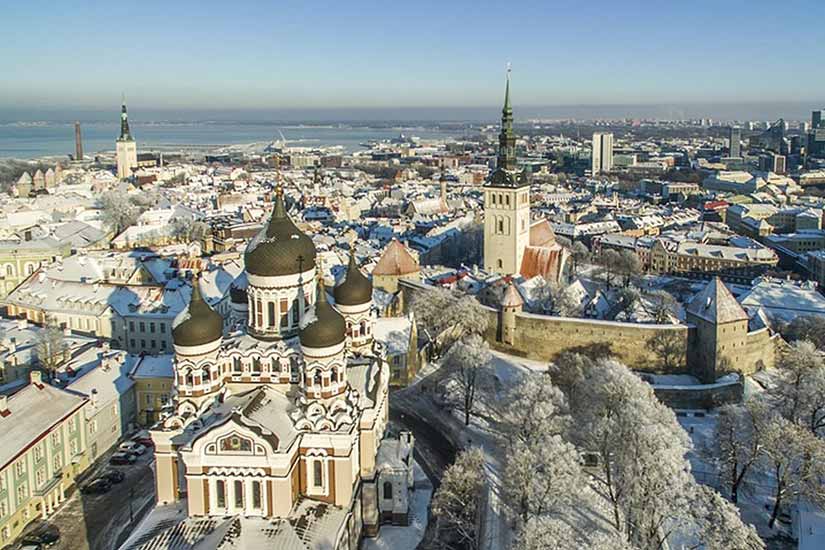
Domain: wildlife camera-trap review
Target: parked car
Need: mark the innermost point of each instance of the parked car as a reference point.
(113, 476)
(132, 447)
(144, 439)
(43, 535)
(96, 487)
(120, 459)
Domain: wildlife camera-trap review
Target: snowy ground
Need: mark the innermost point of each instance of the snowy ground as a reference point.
(392, 537)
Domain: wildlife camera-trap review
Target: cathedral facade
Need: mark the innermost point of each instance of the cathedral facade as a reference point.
(287, 411)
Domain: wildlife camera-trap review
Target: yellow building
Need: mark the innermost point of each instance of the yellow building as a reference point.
(154, 377)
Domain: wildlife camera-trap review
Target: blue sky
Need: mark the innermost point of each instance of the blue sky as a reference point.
(309, 54)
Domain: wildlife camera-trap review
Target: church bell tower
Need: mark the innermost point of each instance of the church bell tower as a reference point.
(506, 202)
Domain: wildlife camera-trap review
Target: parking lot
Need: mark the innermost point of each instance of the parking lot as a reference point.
(102, 521)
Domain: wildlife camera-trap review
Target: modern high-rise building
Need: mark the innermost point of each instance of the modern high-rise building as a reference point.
(816, 137)
(816, 119)
(506, 203)
(735, 142)
(78, 142)
(602, 156)
(125, 147)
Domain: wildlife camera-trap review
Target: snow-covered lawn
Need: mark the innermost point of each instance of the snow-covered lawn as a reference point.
(392, 537)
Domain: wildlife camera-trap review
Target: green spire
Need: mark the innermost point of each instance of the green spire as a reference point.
(506, 138)
(507, 110)
(125, 135)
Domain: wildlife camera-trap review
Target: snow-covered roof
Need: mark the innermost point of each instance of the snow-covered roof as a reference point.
(33, 412)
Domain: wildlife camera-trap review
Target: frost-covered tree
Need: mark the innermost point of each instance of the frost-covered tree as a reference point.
(554, 533)
(456, 502)
(118, 211)
(627, 299)
(533, 410)
(739, 442)
(465, 362)
(541, 478)
(449, 316)
(609, 266)
(796, 458)
(720, 525)
(642, 471)
(628, 266)
(799, 392)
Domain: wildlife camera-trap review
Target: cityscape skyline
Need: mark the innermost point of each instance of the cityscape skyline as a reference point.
(449, 56)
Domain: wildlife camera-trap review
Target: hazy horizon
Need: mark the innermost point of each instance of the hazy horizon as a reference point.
(138, 113)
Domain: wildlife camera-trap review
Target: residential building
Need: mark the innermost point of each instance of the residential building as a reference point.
(43, 451)
(154, 378)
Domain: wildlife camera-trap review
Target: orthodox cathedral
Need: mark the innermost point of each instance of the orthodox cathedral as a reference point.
(279, 425)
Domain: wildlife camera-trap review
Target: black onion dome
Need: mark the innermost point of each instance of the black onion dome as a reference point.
(327, 329)
(281, 248)
(199, 324)
(356, 289)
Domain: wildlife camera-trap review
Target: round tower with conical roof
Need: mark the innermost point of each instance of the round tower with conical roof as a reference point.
(323, 343)
(353, 299)
(197, 333)
(280, 267)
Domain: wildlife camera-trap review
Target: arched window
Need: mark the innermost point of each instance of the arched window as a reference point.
(238, 493)
(387, 490)
(363, 327)
(236, 366)
(256, 494)
(9, 270)
(29, 269)
(271, 313)
(501, 225)
(317, 378)
(256, 365)
(318, 474)
(334, 376)
(259, 310)
(220, 490)
(296, 312)
(507, 200)
(500, 263)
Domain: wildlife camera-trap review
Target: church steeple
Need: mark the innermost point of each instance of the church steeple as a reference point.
(125, 135)
(507, 138)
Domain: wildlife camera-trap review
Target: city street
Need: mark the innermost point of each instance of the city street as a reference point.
(101, 522)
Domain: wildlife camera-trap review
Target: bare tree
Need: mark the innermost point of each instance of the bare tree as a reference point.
(610, 266)
(627, 300)
(580, 255)
(806, 327)
(739, 442)
(465, 361)
(661, 306)
(628, 266)
(669, 348)
(456, 502)
(50, 348)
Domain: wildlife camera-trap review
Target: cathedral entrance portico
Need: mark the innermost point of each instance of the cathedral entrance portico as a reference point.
(231, 495)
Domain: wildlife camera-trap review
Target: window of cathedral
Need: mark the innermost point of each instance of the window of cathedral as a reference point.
(317, 378)
(237, 368)
(387, 490)
(295, 312)
(363, 328)
(256, 494)
(318, 473)
(220, 491)
(260, 312)
(238, 493)
(284, 313)
(334, 376)
(272, 316)
(256, 366)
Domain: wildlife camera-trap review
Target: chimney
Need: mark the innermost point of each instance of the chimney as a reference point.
(4, 406)
(36, 377)
(67, 331)
(93, 397)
